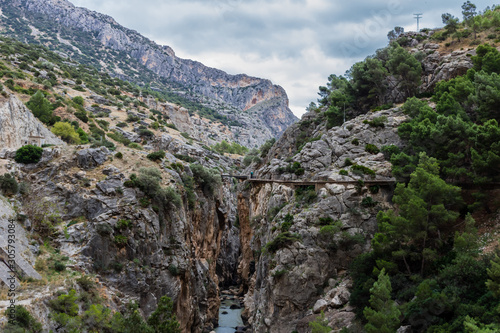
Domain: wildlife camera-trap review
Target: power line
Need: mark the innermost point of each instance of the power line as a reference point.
(418, 17)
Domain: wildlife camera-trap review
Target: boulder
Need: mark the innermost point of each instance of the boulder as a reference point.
(92, 157)
(320, 305)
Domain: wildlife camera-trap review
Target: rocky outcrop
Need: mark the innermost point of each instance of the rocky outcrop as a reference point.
(292, 266)
(256, 103)
(92, 157)
(18, 125)
(442, 67)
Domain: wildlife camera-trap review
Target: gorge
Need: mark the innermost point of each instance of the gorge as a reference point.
(134, 211)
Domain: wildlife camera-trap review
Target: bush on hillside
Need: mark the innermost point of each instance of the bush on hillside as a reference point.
(28, 154)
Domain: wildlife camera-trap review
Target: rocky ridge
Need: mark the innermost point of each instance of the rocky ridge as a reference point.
(240, 97)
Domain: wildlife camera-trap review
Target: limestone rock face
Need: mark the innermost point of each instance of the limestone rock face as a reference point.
(290, 285)
(257, 104)
(17, 124)
(184, 253)
(92, 157)
(443, 67)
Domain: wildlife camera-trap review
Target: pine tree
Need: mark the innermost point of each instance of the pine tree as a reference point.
(163, 319)
(423, 209)
(41, 108)
(383, 315)
(493, 282)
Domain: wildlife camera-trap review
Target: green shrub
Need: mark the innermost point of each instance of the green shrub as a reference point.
(372, 149)
(208, 180)
(82, 115)
(65, 303)
(231, 148)
(8, 184)
(121, 240)
(59, 266)
(295, 168)
(368, 202)
(273, 211)
(145, 133)
(144, 202)
(283, 240)
(355, 141)
(135, 146)
(132, 118)
(173, 269)
(264, 149)
(185, 158)
(360, 170)
(325, 220)
(39, 105)
(343, 172)
(66, 131)
(78, 100)
(172, 126)
(306, 194)
(347, 162)
(331, 229)
(279, 273)
(123, 224)
(374, 189)
(376, 122)
(119, 155)
(347, 240)
(22, 321)
(84, 138)
(103, 124)
(28, 154)
(188, 187)
(320, 324)
(156, 156)
(163, 318)
(86, 283)
(287, 222)
(250, 156)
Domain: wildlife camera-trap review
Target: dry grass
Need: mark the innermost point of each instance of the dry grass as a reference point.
(451, 44)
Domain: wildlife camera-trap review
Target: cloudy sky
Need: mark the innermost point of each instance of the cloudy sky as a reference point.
(295, 43)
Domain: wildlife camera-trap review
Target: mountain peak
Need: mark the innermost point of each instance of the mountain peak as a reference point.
(90, 37)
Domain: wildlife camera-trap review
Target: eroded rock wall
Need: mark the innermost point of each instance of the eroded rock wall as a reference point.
(179, 252)
(288, 285)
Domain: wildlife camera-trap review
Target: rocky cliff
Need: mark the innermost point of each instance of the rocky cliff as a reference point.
(255, 103)
(18, 126)
(183, 252)
(297, 239)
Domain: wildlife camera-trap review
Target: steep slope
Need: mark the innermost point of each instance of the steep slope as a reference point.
(299, 238)
(95, 38)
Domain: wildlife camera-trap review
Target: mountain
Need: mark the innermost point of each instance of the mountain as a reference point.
(386, 221)
(257, 107)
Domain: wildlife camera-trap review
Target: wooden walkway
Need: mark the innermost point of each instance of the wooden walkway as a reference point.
(317, 183)
(367, 182)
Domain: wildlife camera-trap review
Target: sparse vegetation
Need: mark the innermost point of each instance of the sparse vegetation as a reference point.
(156, 156)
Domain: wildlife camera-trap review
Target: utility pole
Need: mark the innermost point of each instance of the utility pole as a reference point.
(418, 17)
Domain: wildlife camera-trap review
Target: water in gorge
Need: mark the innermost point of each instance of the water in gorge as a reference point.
(230, 315)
